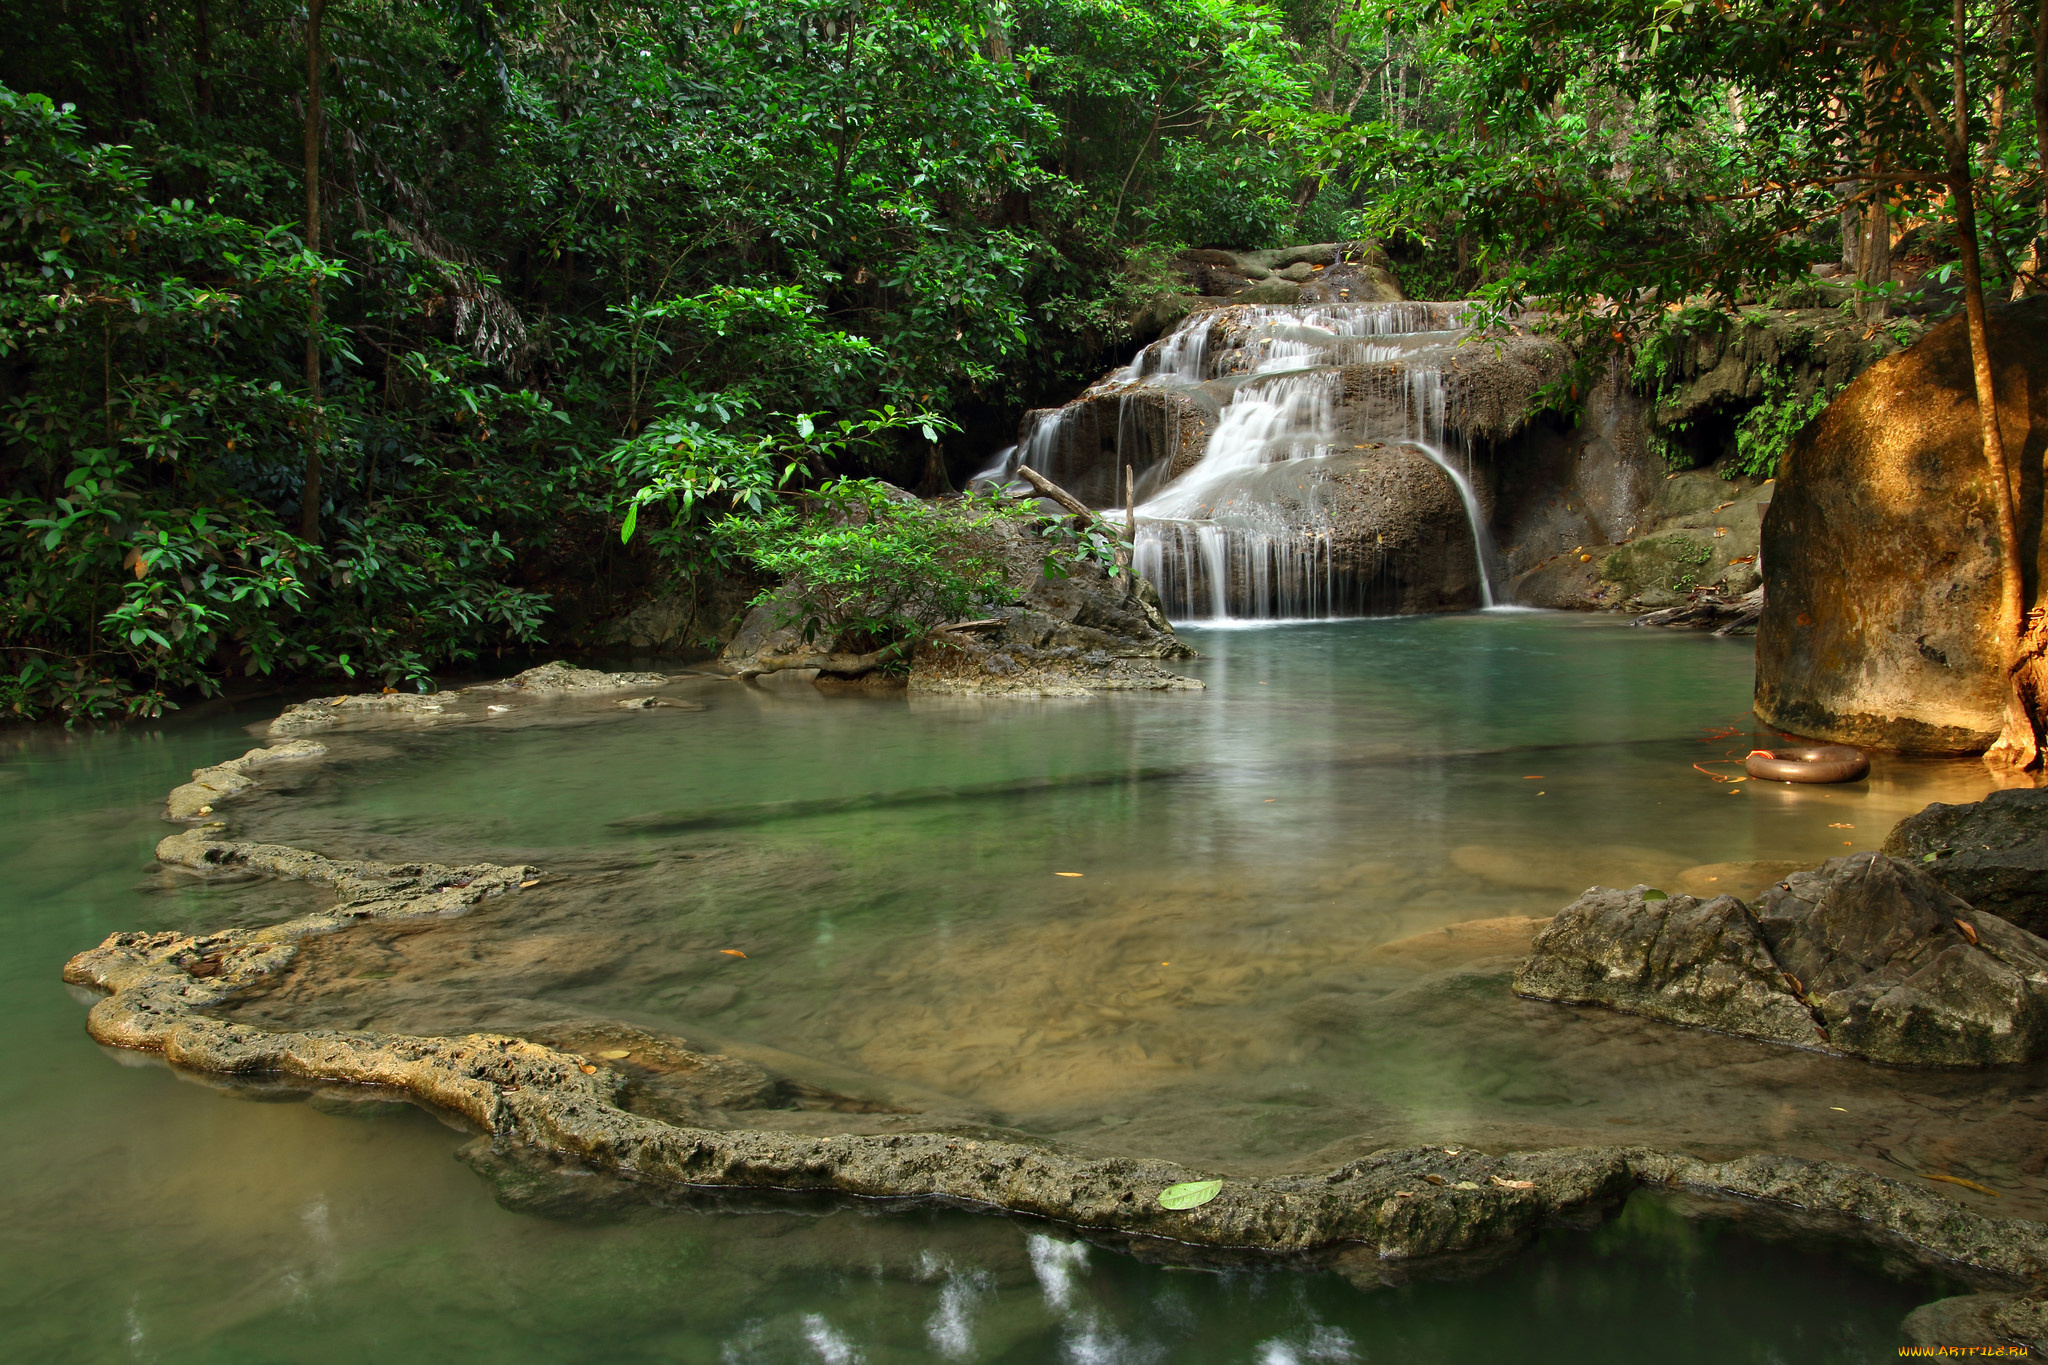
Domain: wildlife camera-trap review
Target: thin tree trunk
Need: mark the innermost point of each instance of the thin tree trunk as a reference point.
(2020, 743)
(1874, 256)
(202, 57)
(2041, 141)
(309, 504)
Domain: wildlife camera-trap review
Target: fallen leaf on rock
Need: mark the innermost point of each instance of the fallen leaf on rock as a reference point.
(732, 952)
(1653, 894)
(1968, 932)
(587, 1069)
(1189, 1194)
(1434, 1179)
(1958, 1180)
(1513, 1184)
(615, 1055)
(1466, 1185)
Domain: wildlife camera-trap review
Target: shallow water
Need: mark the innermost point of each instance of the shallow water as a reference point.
(1248, 975)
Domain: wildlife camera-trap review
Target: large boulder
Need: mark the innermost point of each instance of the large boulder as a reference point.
(1675, 958)
(1904, 972)
(1881, 547)
(1865, 955)
(1992, 853)
(1375, 530)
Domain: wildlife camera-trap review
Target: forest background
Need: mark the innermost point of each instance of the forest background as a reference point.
(354, 338)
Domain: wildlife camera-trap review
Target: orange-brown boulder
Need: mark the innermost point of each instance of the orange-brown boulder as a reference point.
(1880, 549)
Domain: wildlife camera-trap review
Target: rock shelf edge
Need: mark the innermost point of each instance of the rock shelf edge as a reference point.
(1399, 1207)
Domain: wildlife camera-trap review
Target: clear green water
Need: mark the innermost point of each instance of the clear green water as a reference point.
(1235, 980)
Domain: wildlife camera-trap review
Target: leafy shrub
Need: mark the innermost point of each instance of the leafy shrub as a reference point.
(1767, 430)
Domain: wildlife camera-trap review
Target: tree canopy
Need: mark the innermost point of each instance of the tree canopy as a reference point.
(347, 338)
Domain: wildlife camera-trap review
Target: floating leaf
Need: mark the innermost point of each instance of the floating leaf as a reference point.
(732, 952)
(530, 881)
(1841, 826)
(1066, 874)
(1958, 1180)
(1655, 895)
(1189, 1194)
(615, 1055)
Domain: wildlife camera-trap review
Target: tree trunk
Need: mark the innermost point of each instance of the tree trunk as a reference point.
(2041, 143)
(316, 425)
(202, 58)
(2019, 635)
(1874, 252)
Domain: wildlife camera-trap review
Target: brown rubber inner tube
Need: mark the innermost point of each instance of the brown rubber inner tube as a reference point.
(1807, 763)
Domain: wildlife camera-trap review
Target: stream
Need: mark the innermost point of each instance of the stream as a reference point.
(1262, 928)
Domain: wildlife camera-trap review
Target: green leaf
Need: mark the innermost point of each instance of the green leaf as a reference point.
(1191, 1194)
(632, 520)
(1655, 895)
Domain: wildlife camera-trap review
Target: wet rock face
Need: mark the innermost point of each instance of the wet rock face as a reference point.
(1992, 853)
(1670, 957)
(1881, 549)
(1085, 446)
(1904, 972)
(1865, 955)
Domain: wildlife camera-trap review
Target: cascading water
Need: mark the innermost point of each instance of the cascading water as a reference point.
(1316, 417)
(1244, 533)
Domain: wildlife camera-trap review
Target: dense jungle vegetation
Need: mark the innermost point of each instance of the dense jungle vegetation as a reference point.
(348, 338)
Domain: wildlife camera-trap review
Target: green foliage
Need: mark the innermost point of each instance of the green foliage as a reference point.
(579, 263)
(709, 480)
(141, 550)
(1767, 431)
(861, 561)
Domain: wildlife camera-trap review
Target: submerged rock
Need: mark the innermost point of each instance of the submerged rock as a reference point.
(224, 781)
(1882, 548)
(1904, 972)
(1865, 955)
(1992, 853)
(1677, 958)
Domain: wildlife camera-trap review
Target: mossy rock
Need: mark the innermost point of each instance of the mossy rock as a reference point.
(1676, 560)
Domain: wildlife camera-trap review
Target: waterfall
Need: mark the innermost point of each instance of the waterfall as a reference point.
(1237, 538)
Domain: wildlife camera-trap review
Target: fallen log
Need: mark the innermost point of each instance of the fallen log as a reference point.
(1048, 489)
